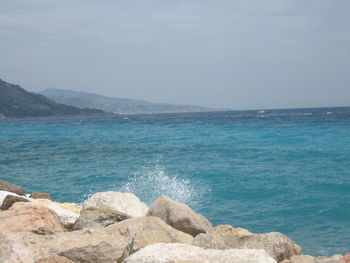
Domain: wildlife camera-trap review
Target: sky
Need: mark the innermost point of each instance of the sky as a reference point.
(237, 54)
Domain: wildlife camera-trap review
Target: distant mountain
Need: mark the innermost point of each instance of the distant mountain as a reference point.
(15, 102)
(115, 105)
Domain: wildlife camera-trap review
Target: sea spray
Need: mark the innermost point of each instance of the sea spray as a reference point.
(149, 183)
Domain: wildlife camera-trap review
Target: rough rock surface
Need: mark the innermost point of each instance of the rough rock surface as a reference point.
(63, 210)
(332, 259)
(346, 258)
(98, 216)
(54, 259)
(9, 187)
(9, 200)
(117, 241)
(31, 218)
(40, 196)
(4, 194)
(94, 245)
(302, 259)
(181, 253)
(229, 230)
(126, 203)
(277, 245)
(179, 216)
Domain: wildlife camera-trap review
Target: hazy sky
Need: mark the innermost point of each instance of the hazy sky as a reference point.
(236, 54)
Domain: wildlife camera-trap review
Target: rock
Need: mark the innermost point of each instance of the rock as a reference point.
(98, 245)
(10, 200)
(285, 261)
(9, 187)
(302, 259)
(181, 253)
(13, 248)
(117, 241)
(229, 230)
(346, 258)
(54, 259)
(332, 259)
(149, 230)
(30, 218)
(98, 216)
(277, 245)
(179, 216)
(40, 196)
(65, 211)
(126, 203)
(4, 194)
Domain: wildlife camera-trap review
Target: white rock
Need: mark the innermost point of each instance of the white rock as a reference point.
(176, 253)
(127, 203)
(3, 195)
(66, 217)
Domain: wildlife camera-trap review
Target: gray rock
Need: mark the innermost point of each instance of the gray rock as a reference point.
(7, 186)
(98, 216)
(10, 200)
(179, 216)
(277, 245)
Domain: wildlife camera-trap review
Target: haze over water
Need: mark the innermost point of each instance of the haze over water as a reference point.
(281, 170)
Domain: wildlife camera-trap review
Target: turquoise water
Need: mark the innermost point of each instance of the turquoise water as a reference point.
(282, 170)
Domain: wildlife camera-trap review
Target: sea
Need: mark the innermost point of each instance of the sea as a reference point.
(264, 170)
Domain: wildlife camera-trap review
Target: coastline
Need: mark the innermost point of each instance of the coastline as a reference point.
(85, 233)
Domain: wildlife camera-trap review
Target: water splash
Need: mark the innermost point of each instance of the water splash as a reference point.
(151, 182)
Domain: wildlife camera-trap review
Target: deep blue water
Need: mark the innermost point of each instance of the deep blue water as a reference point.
(280, 170)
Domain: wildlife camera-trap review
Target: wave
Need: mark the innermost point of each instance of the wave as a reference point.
(151, 182)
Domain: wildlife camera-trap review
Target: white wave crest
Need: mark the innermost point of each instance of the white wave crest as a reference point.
(150, 183)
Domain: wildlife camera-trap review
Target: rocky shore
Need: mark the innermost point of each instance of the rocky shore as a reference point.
(118, 227)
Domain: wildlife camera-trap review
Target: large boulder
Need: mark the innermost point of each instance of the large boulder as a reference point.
(126, 203)
(98, 216)
(182, 253)
(9, 187)
(9, 200)
(179, 216)
(277, 245)
(30, 218)
(310, 259)
(68, 213)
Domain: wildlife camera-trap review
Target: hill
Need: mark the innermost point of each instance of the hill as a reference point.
(115, 105)
(15, 102)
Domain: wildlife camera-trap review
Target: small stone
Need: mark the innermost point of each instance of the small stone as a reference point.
(40, 196)
(10, 200)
